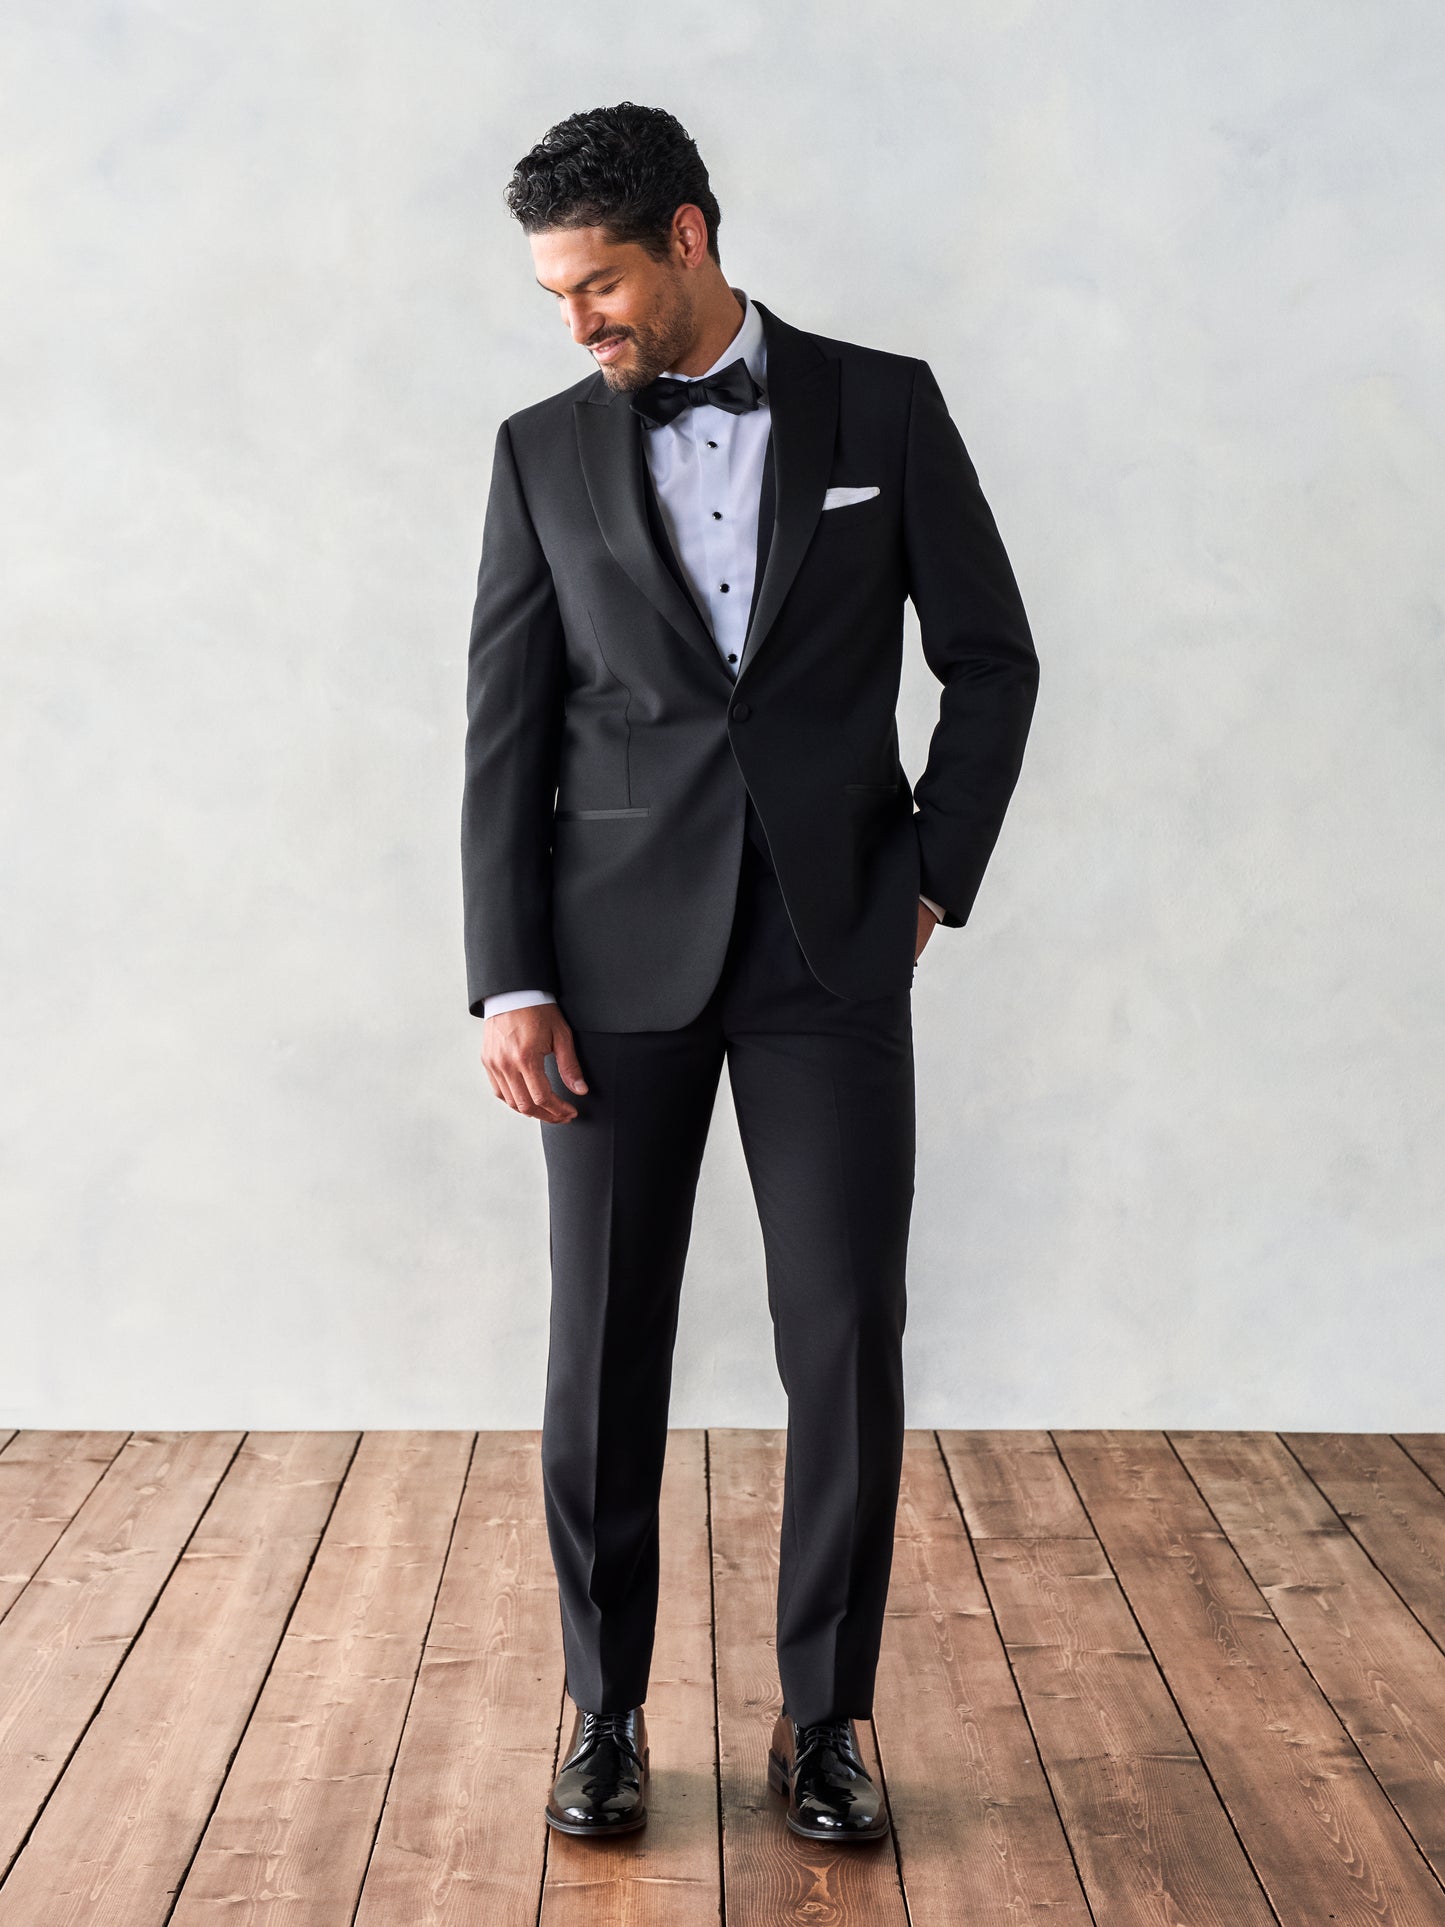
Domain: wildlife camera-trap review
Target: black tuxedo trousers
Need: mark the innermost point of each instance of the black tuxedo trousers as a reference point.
(823, 1089)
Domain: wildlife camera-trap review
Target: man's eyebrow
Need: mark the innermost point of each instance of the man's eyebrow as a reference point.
(597, 274)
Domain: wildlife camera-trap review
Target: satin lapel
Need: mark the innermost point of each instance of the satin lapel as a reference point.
(609, 439)
(802, 384)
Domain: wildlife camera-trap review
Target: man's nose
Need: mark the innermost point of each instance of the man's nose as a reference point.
(584, 324)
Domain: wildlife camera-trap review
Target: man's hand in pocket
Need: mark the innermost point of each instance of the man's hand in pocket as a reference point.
(927, 923)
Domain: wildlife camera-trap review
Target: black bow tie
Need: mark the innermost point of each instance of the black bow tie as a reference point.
(732, 388)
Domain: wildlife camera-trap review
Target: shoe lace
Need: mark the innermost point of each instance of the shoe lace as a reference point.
(606, 1726)
(835, 1733)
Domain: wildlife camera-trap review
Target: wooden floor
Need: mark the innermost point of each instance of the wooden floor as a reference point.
(1127, 1677)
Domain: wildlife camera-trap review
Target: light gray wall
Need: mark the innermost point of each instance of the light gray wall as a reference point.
(1181, 1078)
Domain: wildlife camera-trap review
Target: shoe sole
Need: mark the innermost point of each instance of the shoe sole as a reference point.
(778, 1781)
(587, 1831)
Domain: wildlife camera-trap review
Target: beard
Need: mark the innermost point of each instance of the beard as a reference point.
(657, 344)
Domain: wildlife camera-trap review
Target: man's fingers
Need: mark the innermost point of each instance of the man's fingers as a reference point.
(521, 1082)
(544, 1100)
(515, 1059)
(565, 1051)
(502, 1084)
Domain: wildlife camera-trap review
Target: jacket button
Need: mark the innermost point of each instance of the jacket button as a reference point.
(741, 712)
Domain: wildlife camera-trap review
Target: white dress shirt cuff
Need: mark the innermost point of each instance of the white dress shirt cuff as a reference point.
(936, 908)
(514, 1000)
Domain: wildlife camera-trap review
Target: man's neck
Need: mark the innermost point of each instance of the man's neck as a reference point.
(719, 326)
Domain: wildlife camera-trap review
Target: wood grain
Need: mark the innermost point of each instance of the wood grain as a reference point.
(45, 1478)
(1154, 1845)
(976, 1823)
(1427, 1449)
(1142, 1679)
(1382, 1673)
(65, 1637)
(116, 1837)
(461, 1837)
(1323, 1839)
(289, 1840)
(1391, 1507)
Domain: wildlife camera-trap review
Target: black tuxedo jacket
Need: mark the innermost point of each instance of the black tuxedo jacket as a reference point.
(609, 751)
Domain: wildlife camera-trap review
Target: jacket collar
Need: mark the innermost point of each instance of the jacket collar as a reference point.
(750, 342)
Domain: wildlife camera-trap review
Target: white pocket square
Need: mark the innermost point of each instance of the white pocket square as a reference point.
(837, 498)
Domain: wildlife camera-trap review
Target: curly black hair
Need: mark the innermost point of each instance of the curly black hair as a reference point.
(626, 169)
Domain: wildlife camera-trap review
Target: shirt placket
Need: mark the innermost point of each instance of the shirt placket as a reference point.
(714, 492)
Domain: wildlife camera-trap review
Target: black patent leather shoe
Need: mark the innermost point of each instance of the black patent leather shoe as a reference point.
(601, 1787)
(830, 1794)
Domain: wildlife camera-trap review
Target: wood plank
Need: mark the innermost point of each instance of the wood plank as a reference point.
(667, 1874)
(288, 1843)
(120, 1828)
(45, 1478)
(1427, 1449)
(1382, 1673)
(973, 1812)
(1392, 1508)
(64, 1638)
(1323, 1838)
(770, 1874)
(1154, 1845)
(462, 1837)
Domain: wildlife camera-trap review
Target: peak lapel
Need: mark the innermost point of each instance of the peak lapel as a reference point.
(802, 384)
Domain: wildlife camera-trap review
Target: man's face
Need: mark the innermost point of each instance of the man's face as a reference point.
(632, 313)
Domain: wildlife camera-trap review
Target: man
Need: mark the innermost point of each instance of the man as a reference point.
(687, 838)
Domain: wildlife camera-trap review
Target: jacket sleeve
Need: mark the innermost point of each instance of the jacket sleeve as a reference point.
(976, 640)
(515, 700)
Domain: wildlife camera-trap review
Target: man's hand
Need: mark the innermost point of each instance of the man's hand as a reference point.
(926, 925)
(515, 1044)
